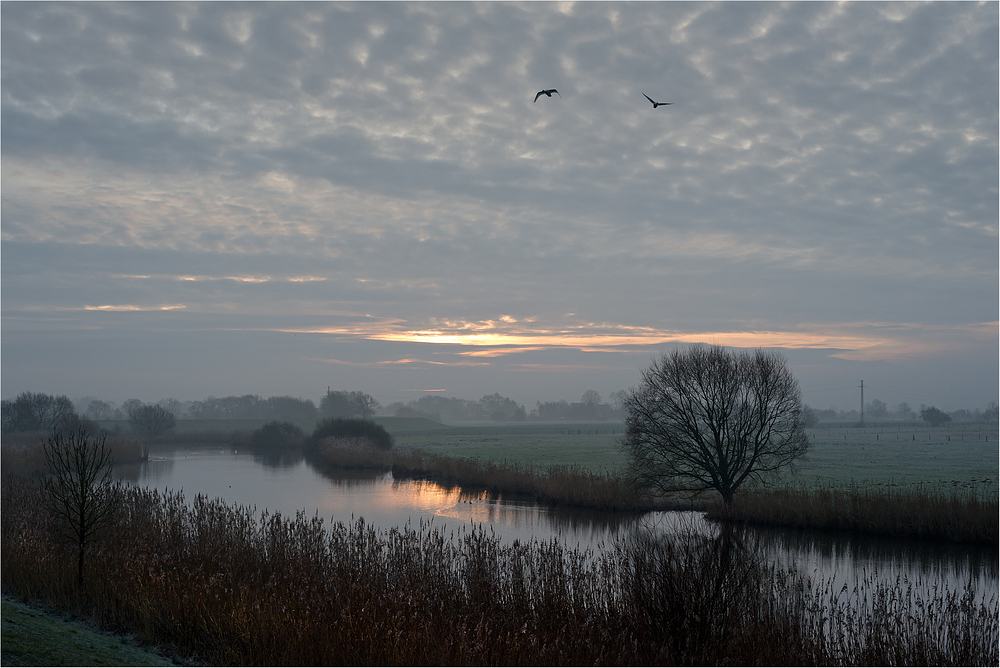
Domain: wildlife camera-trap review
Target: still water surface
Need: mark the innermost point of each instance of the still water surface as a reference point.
(288, 484)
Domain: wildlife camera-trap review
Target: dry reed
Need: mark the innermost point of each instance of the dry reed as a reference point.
(911, 512)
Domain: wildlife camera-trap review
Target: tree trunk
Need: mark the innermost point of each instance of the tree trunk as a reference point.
(79, 565)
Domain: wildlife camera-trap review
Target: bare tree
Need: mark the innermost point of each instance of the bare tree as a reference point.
(172, 405)
(102, 410)
(347, 405)
(706, 419)
(151, 419)
(877, 409)
(366, 404)
(80, 490)
(35, 411)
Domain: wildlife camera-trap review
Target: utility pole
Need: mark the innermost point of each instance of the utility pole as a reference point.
(862, 403)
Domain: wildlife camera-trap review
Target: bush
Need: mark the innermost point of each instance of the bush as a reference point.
(352, 428)
(277, 435)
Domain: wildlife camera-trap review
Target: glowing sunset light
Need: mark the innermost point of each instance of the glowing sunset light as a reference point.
(409, 361)
(132, 307)
(538, 340)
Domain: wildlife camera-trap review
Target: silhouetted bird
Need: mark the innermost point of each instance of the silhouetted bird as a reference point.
(655, 104)
(546, 93)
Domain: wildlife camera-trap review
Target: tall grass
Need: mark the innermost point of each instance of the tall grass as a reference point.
(556, 485)
(22, 453)
(912, 512)
(226, 586)
(350, 453)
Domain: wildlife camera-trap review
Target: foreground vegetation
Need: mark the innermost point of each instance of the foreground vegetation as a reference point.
(222, 585)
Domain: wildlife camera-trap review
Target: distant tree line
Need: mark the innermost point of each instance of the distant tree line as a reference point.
(36, 411)
(879, 410)
(252, 407)
(334, 404)
(590, 408)
(498, 408)
(450, 409)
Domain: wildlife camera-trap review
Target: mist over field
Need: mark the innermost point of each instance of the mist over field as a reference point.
(214, 199)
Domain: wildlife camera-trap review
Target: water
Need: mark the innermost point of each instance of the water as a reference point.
(288, 484)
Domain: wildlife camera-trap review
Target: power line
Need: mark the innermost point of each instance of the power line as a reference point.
(829, 389)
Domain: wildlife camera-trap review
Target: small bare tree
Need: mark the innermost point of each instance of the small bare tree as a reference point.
(704, 418)
(366, 403)
(80, 490)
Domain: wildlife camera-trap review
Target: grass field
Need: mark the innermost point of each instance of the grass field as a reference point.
(32, 637)
(960, 455)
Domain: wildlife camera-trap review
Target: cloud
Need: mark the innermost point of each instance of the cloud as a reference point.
(378, 173)
(406, 362)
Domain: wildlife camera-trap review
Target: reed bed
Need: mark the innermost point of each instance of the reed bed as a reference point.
(220, 584)
(22, 453)
(554, 485)
(350, 453)
(910, 512)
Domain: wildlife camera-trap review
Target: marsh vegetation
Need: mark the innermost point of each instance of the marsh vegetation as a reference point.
(227, 585)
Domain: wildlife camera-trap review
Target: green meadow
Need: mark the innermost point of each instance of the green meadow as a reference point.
(955, 456)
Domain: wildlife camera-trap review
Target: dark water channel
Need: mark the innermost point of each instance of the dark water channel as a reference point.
(288, 484)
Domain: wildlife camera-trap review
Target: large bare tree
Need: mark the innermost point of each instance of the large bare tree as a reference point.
(151, 419)
(705, 418)
(35, 411)
(80, 489)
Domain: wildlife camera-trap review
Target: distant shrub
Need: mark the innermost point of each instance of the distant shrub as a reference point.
(277, 435)
(352, 428)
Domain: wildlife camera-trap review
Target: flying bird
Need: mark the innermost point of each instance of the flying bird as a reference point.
(655, 104)
(546, 93)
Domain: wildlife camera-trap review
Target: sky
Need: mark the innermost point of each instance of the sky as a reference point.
(222, 198)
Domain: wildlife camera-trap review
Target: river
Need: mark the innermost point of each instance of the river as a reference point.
(288, 484)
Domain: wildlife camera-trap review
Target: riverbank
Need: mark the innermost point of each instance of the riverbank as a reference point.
(554, 485)
(35, 637)
(960, 516)
(231, 587)
(904, 511)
